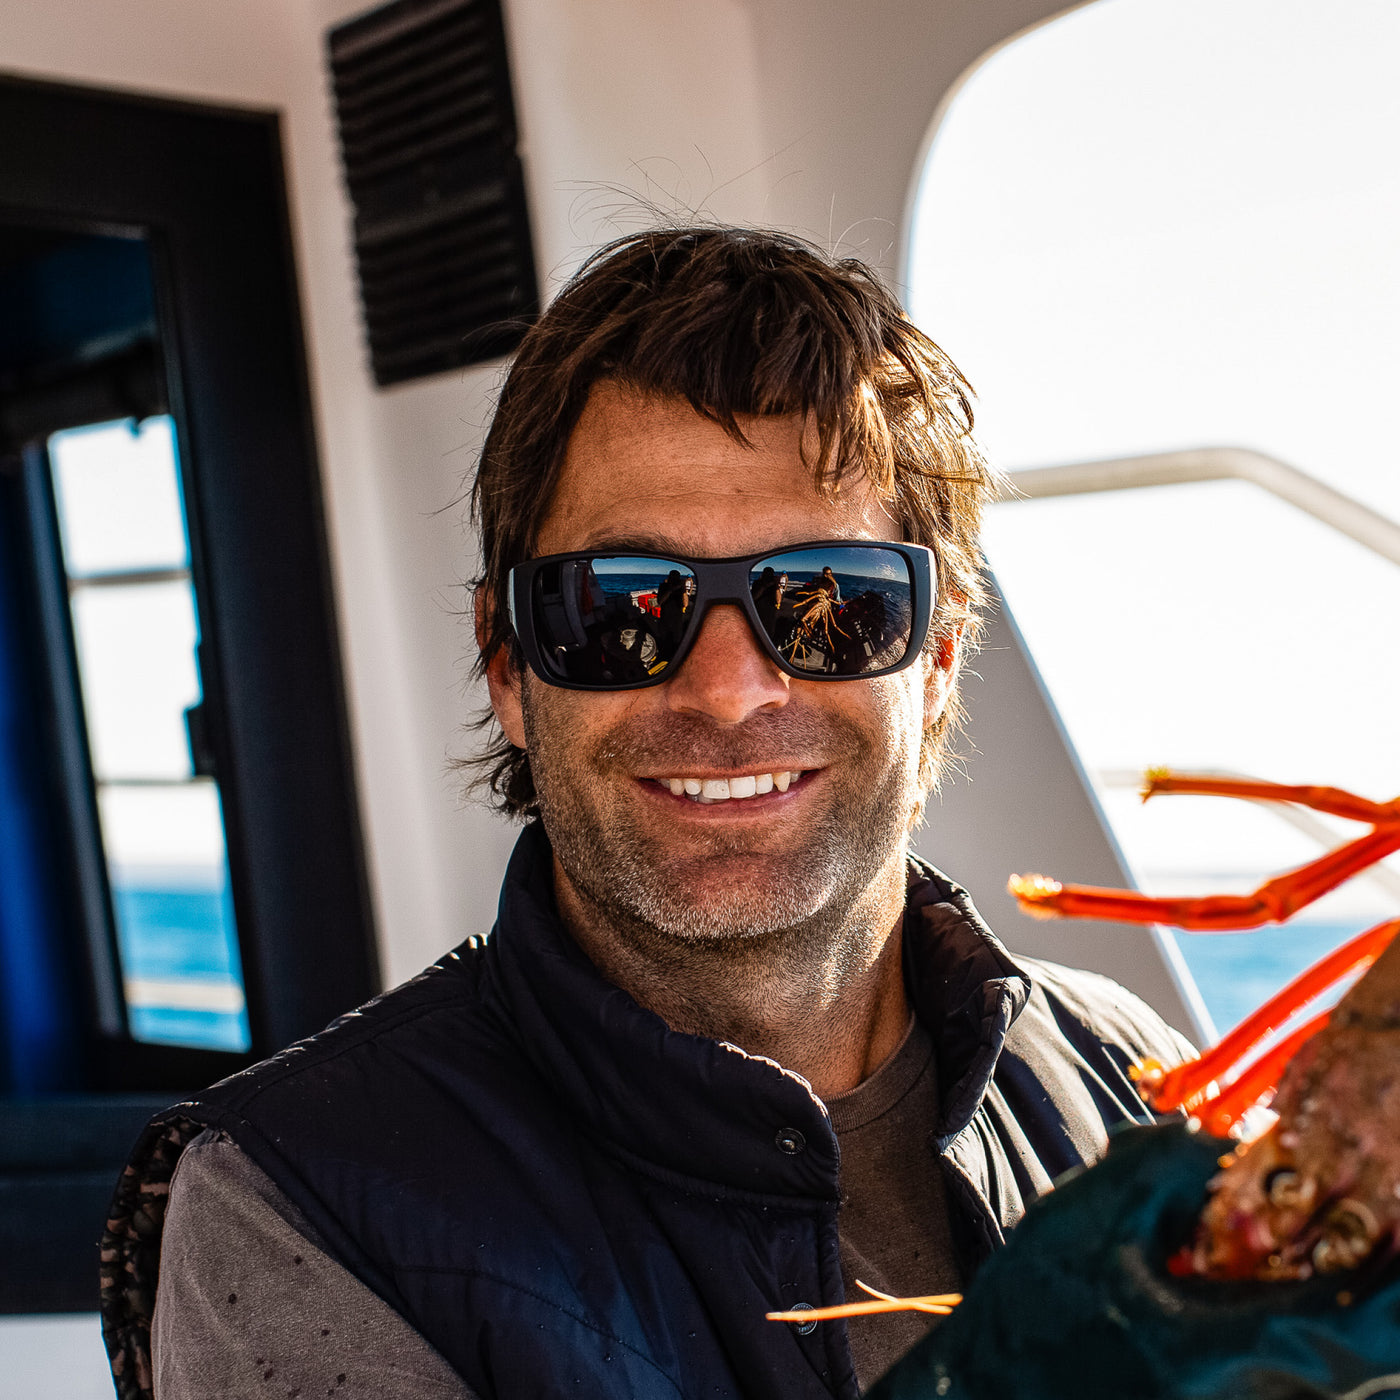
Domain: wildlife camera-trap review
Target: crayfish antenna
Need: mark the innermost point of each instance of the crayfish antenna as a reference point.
(1036, 894)
(1152, 782)
(940, 1304)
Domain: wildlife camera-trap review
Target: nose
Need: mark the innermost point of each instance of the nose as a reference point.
(725, 675)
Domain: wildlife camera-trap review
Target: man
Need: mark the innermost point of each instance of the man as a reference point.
(827, 584)
(671, 600)
(727, 1049)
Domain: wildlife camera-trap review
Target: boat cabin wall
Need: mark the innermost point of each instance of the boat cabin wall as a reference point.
(811, 115)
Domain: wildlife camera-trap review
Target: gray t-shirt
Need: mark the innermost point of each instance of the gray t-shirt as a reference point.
(250, 1304)
(894, 1231)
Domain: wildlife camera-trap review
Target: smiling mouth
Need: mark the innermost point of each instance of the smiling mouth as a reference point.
(734, 789)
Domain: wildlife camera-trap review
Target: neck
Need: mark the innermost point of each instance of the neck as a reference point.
(824, 999)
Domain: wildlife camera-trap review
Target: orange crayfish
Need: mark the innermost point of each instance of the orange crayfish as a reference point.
(1319, 1191)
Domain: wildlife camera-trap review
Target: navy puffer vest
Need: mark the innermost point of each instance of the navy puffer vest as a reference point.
(567, 1198)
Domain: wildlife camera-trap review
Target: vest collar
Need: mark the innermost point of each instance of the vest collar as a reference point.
(965, 988)
(707, 1111)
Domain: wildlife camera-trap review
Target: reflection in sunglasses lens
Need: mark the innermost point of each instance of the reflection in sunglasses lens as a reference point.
(612, 620)
(838, 610)
(620, 620)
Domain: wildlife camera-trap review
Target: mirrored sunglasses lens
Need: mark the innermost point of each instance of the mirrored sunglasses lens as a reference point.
(611, 619)
(836, 610)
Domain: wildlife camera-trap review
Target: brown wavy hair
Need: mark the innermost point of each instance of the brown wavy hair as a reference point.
(738, 322)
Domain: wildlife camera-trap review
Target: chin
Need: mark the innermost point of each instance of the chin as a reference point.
(729, 900)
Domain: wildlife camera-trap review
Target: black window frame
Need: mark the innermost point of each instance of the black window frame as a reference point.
(205, 186)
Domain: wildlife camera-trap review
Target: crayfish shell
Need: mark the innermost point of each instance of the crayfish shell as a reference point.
(1320, 1192)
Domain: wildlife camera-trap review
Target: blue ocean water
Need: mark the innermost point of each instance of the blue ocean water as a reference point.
(1236, 972)
(168, 934)
(180, 934)
(896, 595)
(202, 1030)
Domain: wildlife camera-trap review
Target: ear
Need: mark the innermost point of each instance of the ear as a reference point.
(503, 677)
(942, 659)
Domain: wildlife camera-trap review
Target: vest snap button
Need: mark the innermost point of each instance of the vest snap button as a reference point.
(792, 1142)
(803, 1329)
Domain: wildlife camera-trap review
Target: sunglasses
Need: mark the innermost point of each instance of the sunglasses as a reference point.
(833, 610)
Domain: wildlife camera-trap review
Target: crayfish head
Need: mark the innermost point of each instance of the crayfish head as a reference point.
(1260, 1219)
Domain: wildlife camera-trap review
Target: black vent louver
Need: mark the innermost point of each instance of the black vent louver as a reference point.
(427, 134)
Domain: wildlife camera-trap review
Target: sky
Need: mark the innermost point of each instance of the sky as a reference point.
(1159, 224)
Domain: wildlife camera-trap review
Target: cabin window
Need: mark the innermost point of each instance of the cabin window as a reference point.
(1154, 226)
(124, 556)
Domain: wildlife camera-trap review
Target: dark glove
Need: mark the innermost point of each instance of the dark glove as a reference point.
(1079, 1304)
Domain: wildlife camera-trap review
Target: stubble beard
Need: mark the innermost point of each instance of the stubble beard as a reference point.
(732, 894)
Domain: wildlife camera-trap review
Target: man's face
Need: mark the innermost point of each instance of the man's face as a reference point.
(652, 474)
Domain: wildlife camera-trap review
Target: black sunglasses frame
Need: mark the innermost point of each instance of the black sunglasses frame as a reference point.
(721, 581)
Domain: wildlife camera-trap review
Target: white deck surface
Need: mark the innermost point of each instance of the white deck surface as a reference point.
(59, 1358)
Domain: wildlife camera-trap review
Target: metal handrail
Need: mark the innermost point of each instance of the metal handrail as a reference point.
(1368, 527)
(1342, 513)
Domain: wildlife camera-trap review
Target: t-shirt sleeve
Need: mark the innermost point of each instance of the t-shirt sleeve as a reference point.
(250, 1305)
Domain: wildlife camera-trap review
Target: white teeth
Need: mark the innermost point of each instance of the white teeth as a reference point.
(725, 789)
